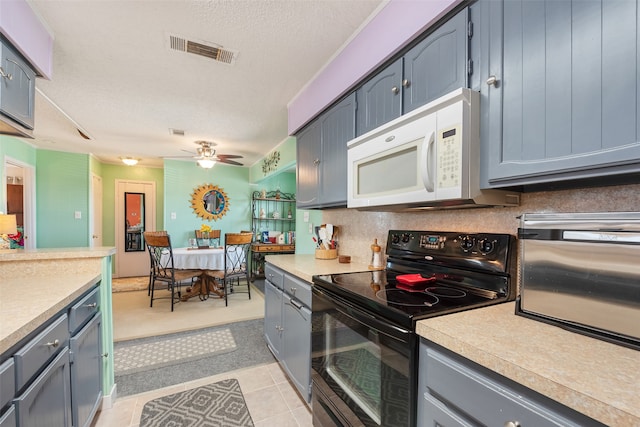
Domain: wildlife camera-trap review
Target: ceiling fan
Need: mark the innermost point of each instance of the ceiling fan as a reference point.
(206, 156)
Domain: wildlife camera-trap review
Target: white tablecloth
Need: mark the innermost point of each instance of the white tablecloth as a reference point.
(199, 259)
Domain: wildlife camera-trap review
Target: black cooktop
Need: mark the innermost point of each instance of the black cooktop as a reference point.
(378, 292)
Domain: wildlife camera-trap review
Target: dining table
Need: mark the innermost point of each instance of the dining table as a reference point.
(193, 258)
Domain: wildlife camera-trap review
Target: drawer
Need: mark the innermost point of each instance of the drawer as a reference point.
(273, 248)
(34, 356)
(7, 382)
(83, 310)
(298, 289)
(274, 275)
(491, 401)
(9, 418)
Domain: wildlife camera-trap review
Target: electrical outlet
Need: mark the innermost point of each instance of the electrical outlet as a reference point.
(306, 216)
(173, 215)
(77, 215)
(310, 228)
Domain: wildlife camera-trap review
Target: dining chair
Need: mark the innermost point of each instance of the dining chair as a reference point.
(236, 249)
(161, 254)
(152, 233)
(213, 235)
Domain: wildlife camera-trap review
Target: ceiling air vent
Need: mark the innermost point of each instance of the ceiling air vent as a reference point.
(208, 50)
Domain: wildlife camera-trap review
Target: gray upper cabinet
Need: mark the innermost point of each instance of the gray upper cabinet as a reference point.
(321, 178)
(560, 90)
(435, 66)
(17, 87)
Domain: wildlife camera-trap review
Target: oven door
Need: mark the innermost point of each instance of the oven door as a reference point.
(363, 369)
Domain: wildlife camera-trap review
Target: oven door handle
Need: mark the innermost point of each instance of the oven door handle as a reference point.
(365, 318)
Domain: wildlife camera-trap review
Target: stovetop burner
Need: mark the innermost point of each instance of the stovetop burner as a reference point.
(460, 271)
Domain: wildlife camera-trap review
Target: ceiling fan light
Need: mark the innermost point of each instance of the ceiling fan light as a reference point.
(129, 161)
(206, 163)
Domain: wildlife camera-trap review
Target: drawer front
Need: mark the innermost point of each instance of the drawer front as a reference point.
(298, 289)
(47, 401)
(7, 382)
(274, 275)
(83, 310)
(9, 418)
(35, 355)
(435, 413)
(484, 399)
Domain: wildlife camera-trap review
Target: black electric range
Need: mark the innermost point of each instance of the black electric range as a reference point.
(431, 273)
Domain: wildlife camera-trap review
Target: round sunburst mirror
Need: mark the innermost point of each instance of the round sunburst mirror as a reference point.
(209, 202)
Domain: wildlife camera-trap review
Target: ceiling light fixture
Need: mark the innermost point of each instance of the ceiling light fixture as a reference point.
(206, 163)
(129, 161)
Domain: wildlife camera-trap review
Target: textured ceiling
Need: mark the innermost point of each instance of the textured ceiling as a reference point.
(116, 79)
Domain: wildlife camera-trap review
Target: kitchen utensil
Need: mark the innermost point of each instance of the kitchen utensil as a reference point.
(323, 238)
(329, 229)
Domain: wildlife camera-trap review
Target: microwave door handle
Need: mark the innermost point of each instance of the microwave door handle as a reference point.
(427, 165)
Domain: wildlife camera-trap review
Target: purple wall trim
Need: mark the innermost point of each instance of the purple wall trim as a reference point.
(20, 25)
(396, 24)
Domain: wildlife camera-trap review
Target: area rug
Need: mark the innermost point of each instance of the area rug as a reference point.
(213, 405)
(135, 356)
(251, 350)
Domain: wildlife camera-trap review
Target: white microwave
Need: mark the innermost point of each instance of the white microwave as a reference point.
(427, 158)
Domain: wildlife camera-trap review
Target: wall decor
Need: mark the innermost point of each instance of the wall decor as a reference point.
(270, 162)
(209, 202)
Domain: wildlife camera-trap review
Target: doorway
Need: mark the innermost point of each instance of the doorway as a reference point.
(19, 180)
(135, 213)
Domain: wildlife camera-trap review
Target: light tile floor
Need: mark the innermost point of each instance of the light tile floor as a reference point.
(272, 400)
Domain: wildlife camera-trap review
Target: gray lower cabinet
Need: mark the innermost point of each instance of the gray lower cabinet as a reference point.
(434, 67)
(86, 372)
(17, 86)
(321, 163)
(54, 378)
(456, 392)
(560, 90)
(288, 325)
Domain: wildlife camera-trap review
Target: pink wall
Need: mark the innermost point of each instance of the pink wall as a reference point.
(20, 25)
(398, 23)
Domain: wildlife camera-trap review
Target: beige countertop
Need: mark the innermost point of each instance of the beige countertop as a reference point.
(306, 266)
(36, 284)
(596, 378)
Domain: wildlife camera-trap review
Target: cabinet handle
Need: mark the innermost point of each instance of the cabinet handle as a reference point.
(293, 290)
(105, 355)
(492, 81)
(5, 75)
(54, 344)
(94, 305)
(406, 83)
(512, 424)
(316, 162)
(395, 90)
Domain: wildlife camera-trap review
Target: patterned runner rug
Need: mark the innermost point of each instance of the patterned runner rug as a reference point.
(213, 405)
(139, 355)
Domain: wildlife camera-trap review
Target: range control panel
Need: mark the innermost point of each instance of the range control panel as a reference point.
(437, 245)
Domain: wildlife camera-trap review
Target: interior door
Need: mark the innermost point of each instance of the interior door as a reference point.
(22, 178)
(130, 261)
(96, 217)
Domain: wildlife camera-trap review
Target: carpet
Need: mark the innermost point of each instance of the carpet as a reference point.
(217, 404)
(251, 350)
(136, 356)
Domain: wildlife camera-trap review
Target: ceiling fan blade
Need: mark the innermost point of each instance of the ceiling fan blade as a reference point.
(229, 162)
(229, 156)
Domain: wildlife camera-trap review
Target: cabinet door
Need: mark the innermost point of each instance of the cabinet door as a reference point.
(438, 64)
(47, 401)
(273, 318)
(338, 126)
(297, 344)
(566, 101)
(17, 92)
(86, 372)
(308, 152)
(379, 100)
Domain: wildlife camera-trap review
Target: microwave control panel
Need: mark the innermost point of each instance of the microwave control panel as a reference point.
(449, 155)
